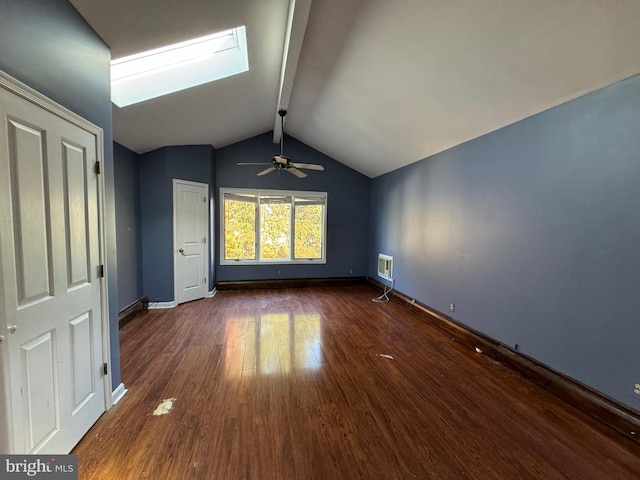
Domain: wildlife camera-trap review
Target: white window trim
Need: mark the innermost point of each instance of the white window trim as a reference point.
(261, 191)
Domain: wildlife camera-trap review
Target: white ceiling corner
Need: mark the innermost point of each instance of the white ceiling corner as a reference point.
(372, 83)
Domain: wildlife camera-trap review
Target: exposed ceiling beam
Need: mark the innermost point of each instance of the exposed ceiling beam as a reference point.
(296, 27)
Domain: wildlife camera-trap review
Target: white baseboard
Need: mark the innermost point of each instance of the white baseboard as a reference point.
(158, 305)
(212, 293)
(117, 394)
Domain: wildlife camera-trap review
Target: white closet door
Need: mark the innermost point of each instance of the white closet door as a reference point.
(51, 294)
(191, 209)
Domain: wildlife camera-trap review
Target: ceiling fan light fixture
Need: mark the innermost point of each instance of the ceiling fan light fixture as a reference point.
(280, 162)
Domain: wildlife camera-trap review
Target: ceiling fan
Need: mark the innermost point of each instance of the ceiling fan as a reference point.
(280, 162)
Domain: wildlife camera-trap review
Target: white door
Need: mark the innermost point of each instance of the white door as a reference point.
(191, 226)
(51, 293)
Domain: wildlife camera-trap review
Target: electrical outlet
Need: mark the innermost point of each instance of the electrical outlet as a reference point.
(452, 307)
(636, 389)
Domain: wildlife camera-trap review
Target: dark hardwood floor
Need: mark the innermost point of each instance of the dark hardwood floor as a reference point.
(290, 384)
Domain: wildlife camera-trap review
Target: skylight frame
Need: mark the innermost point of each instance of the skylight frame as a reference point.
(176, 67)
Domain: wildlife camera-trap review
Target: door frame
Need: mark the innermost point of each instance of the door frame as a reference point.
(175, 240)
(27, 93)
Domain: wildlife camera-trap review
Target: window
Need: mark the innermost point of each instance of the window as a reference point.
(270, 226)
(165, 70)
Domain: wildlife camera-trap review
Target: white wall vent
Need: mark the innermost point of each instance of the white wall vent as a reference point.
(385, 266)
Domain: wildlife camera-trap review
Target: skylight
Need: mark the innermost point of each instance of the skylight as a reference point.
(169, 69)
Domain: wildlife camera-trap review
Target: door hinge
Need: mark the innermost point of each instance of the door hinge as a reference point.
(96, 168)
(204, 199)
(100, 271)
(204, 239)
(105, 369)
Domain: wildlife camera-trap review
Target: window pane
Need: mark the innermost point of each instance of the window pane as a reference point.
(239, 229)
(272, 226)
(275, 226)
(308, 230)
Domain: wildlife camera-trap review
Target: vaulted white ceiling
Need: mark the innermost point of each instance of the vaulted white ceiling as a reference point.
(378, 84)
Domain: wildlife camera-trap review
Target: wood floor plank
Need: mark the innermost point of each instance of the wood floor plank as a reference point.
(296, 384)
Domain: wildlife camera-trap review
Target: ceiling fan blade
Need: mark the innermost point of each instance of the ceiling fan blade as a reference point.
(254, 163)
(266, 170)
(296, 172)
(308, 166)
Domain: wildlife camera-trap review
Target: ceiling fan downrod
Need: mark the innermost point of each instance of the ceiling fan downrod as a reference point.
(282, 112)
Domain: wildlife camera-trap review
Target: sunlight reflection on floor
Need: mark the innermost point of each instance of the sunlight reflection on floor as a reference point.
(273, 344)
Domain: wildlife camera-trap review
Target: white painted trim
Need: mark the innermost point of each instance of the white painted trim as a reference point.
(160, 305)
(212, 293)
(118, 393)
(104, 283)
(35, 97)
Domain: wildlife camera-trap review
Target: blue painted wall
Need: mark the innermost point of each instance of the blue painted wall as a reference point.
(213, 218)
(347, 206)
(157, 171)
(48, 45)
(533, 231)
(128, 234)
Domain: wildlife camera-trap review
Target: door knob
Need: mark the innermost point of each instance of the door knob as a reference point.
(181, 251)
